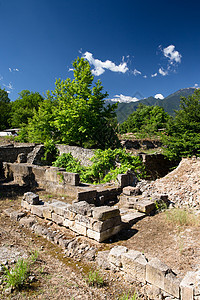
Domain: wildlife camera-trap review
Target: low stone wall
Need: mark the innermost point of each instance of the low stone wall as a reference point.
(158, 280)
(82, 154)
(10, 152)
(98, 223)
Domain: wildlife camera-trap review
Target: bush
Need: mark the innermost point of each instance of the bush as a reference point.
(107, 164)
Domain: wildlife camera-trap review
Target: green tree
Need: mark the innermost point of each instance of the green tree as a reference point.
(183, 133)
(23, 108)
(4, 109)
(75, 114)
(145, 119)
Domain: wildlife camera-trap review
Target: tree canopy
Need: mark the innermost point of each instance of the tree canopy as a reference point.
(4, 109)
(23, 108)
(145, 119)
(75, 113)
(183, 133)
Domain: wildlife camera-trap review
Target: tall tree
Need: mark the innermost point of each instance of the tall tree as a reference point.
(23, 108)
(79, 116)
(183, 133)
(4, 109)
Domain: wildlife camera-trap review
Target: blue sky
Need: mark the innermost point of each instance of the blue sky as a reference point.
(136, 48)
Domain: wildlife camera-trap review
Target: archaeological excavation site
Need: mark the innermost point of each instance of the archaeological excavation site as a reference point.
(142, 236)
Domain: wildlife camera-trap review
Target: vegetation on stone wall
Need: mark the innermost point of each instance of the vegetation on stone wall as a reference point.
(107, 164)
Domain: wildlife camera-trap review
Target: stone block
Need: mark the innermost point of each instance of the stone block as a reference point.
(57, 219)
(69, 214)
(104, 235)
(89, 196)
(84, 221)
(79, 228)
(31, 198)
(27, 222)
(131, 191)
(100, 226)
(145, 206)
(37, 210)
(105, 212)
(25, 205)
(172, 285)
(59, 207)
(134, 263)
(17, 215)
(47, 212)
(68, 223)
(115, 254)
(82, 208)
(155, 272)
(132, 218)
(187, 286)
(71, 178)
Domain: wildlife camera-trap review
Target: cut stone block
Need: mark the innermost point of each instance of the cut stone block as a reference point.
(57, 219)
(100, 226)
(31, 198)
(88, 196)
(172, 285)
(68, 214)
(132, 218)
(79, 228)
(155, 272)
(47, 212)
(134, 263)
(82, 208)
(59, 207)
(37, 210)
(145, 206)
(102, 236)
(105, 212)
(115, 254)
(131, 191)
(68, 223)
(187, 286)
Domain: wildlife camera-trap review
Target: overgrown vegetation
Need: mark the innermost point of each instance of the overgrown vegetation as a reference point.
(17, 276)
(128, 297)
(95, 279)
(107, 164)
(181, 217)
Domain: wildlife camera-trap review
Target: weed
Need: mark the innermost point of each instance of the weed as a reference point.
(95, 279)
(127, 297)
(181, 217)
(17, 276)
(34, 256)
(160, 205)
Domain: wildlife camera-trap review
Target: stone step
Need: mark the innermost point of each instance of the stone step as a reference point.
(131, 218)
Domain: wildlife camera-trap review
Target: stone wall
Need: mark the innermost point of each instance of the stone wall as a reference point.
(98, 223)
(10, 152)
(158, 280)
(82, 154)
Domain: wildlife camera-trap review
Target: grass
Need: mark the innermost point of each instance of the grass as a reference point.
(127, 297)
(181, 217)
(95, 279)
(17, 276)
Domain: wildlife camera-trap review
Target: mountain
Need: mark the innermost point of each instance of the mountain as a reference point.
(170, 103)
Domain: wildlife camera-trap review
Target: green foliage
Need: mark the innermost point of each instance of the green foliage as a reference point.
(107, 164)
(182, 137)
(17, 276)
(146, 119)
(95, 279)
(75, 114)
(160, 205)
(23, 108)
(4, 109)
(127, 297)
(50, 151)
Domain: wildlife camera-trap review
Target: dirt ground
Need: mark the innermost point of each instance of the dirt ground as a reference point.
(64, 278)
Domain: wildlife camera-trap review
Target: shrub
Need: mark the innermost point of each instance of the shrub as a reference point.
(95, 279)
(17, 276)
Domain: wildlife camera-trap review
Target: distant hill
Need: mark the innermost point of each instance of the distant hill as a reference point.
(170, 103)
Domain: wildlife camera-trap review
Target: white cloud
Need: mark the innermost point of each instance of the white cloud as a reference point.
(70, 70)
(1, 77)
(123, 98)
(154, 75)
(101, 66)
(173, 55)
(159, 96)
(163, 72)
(145, 76)
(13, 70)
(196, 85)
(9, 86)
(136, 72)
